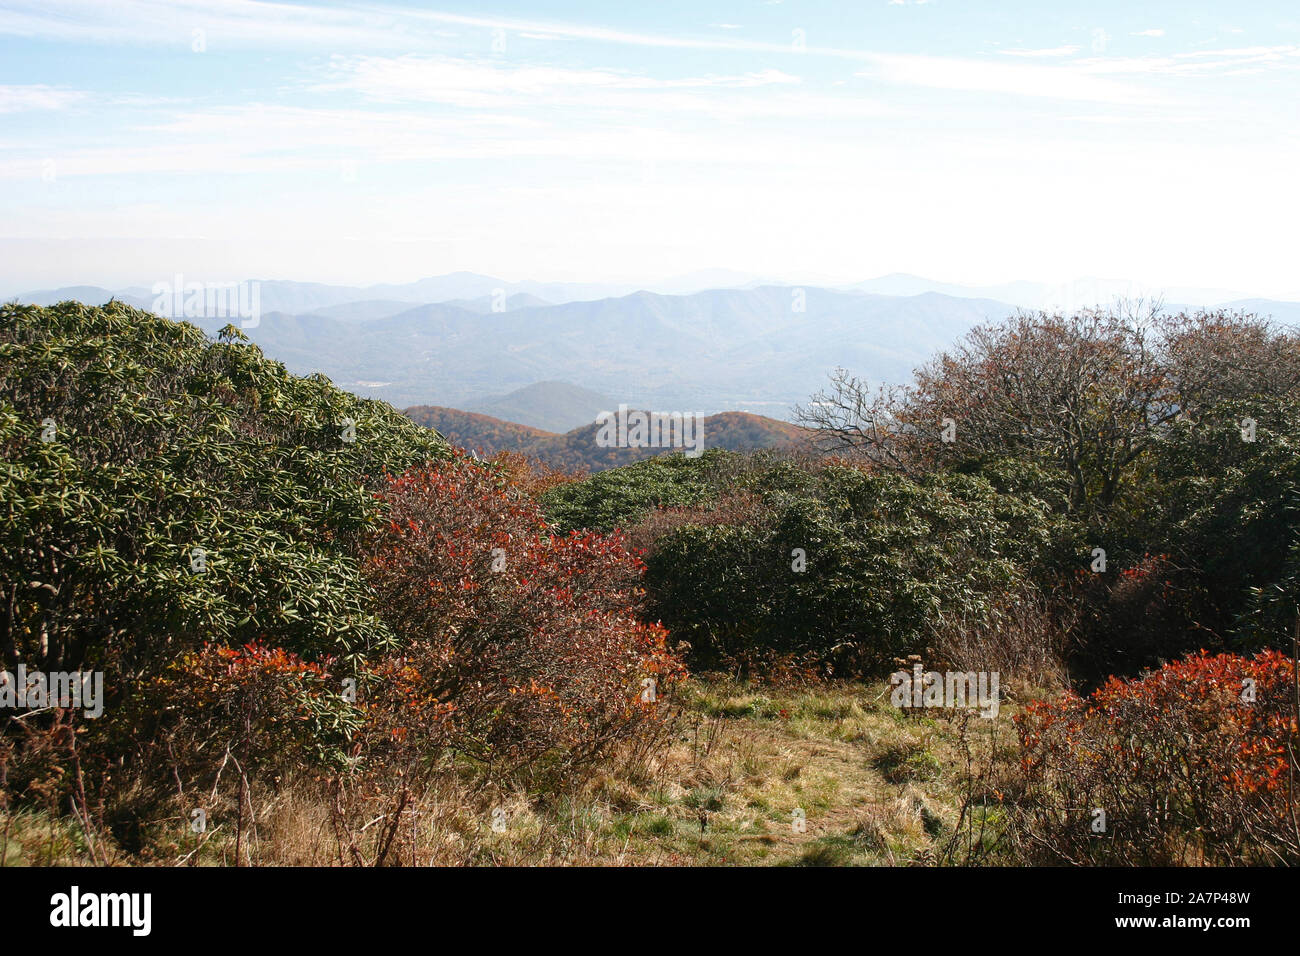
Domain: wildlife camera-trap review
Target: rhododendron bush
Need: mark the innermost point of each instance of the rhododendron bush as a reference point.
(1194, 763)
(530, 639)
(494, 639)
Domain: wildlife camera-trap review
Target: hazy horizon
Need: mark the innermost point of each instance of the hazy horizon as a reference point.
(365, 143)
(1077, 290)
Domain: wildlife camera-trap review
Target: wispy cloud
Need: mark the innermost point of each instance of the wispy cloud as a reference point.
(255, 24)
(486, 83)
(248, 23)
(37, 96)
(1200, 62)
(272, 138)
(1066, 82)
(1052, 51)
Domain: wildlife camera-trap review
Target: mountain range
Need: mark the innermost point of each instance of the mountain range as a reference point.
(548, 406)
(759, 350)
(578, 449)
(478, 343)
(298, 298)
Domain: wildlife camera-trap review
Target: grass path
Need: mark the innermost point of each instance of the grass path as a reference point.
(878, 787)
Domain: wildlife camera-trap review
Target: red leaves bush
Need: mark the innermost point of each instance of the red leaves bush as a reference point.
(269, 708)
(1135, 616)
(1187, 768)
(529, 640)
(505, 643)
(214, 729)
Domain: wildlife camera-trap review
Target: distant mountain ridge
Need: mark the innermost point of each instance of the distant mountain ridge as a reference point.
(470, 290)
(760, 350)
(550, 406)
(476, 292)
(721, 350)
(578, 449)
(1083, 292)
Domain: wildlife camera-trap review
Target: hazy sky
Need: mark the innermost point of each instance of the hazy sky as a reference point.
(810, 141)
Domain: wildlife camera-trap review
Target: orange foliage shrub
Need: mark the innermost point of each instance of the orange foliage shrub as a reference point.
(269, 708)
(1194, 763)
(532, 477)
(530, 641)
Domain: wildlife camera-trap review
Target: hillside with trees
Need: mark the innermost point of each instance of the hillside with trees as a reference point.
(279, 581)
(326, 636)
(578, 450)
(479, 433)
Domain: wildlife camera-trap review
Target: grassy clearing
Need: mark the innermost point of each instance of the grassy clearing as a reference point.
(876, 787)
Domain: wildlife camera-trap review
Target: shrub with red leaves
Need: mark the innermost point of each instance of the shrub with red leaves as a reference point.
(268, 707)
(1194, 763)
(1135, 616)
(215, 729)
(530, 641)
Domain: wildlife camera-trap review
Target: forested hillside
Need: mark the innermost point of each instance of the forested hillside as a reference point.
(314, 621)
(274, 579)
(579, 451)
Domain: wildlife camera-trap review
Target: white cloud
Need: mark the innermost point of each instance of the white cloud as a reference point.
(246, 23)
(275, 139)
(986, 76)
(1200, 62)
(1149, 33)
(37, 96)
(487, 83)
(1053, 51)
(1079, 79)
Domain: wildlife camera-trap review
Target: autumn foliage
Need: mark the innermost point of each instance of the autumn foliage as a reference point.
(1194, 763)
(531, 639)
(530, 476)
(266, 708)
(345, 630)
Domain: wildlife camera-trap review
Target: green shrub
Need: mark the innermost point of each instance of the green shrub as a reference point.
(618, 497)
(162, 442)
(774, 558)
(1205, 552)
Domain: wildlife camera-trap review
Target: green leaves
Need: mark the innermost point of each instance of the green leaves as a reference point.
(615, 498)
(886, 556)
(167, 441)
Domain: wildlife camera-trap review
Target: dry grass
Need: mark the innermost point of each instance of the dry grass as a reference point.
(876, 787)
(1025, 645)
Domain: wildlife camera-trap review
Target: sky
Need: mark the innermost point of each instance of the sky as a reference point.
(972, 142)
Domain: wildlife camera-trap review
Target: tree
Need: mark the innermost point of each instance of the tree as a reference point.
(1086, 393)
